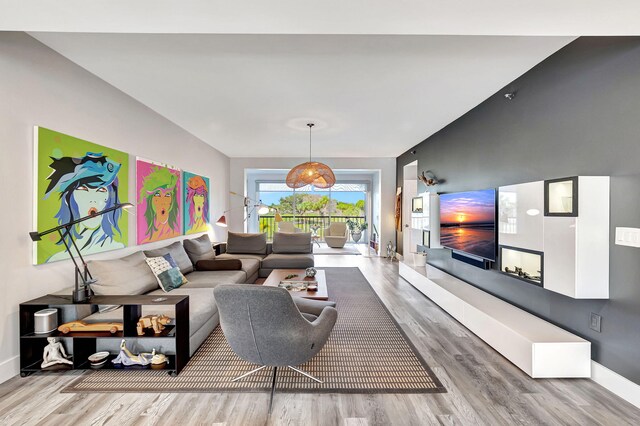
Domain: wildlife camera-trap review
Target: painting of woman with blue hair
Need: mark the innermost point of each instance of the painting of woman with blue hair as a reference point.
(82, 179)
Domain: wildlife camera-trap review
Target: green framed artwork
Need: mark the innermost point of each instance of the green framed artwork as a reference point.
(75, 178)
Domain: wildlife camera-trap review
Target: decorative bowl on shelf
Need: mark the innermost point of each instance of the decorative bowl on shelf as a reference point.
(98, 365)
(98, 357)
(98, 360)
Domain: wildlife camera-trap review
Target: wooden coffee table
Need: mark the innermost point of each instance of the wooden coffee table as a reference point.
(278, 275)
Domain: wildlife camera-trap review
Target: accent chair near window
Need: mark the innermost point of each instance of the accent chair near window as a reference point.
(336, 235)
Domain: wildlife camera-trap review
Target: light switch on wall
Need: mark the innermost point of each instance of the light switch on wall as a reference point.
(628, 237)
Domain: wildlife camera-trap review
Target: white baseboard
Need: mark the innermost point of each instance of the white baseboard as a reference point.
(614, 382)
(9, 368)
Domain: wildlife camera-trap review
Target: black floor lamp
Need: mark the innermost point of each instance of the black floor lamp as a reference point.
(83, 277)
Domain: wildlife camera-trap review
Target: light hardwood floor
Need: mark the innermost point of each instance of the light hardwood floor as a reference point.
(483, 387)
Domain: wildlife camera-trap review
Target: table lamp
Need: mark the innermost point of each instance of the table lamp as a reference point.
(81, 290)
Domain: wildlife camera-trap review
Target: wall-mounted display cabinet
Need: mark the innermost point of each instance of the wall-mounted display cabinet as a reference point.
(523, 264)
(576, 248)
(561, 197)
(425, 225)
(520, 215)
(566, 221)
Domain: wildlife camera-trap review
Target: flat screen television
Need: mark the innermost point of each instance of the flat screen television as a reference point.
(468, 222)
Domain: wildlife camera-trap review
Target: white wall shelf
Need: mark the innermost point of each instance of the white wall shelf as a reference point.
(539, 348)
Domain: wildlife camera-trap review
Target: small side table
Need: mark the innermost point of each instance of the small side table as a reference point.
(315, 238)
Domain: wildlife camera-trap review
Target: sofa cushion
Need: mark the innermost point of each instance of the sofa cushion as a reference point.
(284, 242)
(202, 306)
(211, 279)
(199, 248)
(250, 267)
(241, 256)
(287, 261)
(176, 250)
(127, 275)
(238, 242)
(219, 265)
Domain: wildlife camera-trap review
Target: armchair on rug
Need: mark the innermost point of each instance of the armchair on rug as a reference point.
(264, 326)
(336, 235)
(288, 227)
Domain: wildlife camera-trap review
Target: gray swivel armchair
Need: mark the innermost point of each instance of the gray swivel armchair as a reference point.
(264, 326)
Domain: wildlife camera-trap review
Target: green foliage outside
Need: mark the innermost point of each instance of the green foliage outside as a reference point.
(317, 205)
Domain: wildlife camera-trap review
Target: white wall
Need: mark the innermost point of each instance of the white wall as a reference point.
(386, 166)
(40, 87)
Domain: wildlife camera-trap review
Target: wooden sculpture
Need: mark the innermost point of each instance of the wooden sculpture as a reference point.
(81, 326)
(157, 322)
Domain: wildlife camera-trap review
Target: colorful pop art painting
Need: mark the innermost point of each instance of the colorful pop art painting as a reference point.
(196, 203)
(76, 178)
(159, 209)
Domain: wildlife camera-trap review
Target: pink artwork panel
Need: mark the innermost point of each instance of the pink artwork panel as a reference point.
(159, 209)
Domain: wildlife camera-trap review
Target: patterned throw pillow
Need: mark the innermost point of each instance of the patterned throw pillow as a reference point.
(167, 272)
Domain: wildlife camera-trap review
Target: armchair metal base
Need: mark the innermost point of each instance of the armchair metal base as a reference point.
(248, 374)
(273, 383)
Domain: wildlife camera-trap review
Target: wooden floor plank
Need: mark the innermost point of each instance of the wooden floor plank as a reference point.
(483, 387)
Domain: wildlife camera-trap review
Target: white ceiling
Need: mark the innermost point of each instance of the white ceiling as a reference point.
(416, 17)
(251, 95)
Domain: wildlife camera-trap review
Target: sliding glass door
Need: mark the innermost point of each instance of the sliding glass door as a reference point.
(310, 209)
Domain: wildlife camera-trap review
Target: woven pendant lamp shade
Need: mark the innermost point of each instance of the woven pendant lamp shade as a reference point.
(311, 173)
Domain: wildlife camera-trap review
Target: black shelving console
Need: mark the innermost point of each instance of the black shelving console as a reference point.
(83, 344)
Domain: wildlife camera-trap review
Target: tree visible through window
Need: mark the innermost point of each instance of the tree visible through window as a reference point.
(312, 208)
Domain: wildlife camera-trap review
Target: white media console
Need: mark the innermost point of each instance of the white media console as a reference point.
(539, 348)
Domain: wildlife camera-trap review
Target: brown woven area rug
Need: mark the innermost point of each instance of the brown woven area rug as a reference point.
(366, 353)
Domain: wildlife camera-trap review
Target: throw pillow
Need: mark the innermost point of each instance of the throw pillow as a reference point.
(177, 252)
(219, 265)
(199, 249)
(167, 272)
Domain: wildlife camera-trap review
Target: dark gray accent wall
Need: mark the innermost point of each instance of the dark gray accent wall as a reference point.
(576, 113)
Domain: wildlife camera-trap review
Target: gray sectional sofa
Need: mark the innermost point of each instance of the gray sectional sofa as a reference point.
(131, 275)
(288, 251)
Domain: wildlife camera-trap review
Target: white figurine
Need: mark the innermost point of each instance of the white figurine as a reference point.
(126, 358)
(54, 353)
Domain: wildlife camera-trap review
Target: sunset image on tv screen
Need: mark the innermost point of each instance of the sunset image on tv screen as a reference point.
(467, 221)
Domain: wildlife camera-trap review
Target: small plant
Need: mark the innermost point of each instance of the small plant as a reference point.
(354, 226)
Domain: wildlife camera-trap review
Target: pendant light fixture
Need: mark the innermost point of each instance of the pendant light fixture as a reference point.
(311, 173)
